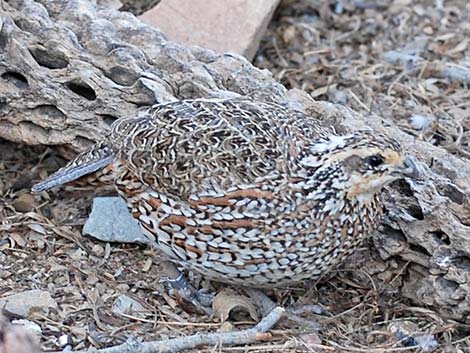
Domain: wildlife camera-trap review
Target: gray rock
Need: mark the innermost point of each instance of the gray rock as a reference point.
(25, 303)
(110, 221)
(64, 340)
(29, 325)
(126, 305)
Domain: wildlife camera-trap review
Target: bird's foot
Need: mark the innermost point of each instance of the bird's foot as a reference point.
(189, 299)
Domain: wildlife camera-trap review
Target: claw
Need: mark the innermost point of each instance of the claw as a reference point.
(188, 298)
(180, 282)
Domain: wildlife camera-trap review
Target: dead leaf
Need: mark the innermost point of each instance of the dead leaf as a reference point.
(24, 203)
(147, 265)
(17, 239)
(37, 228)
(459, 48)
(227, 302)
(79, 332)
(289, 34)
(322, 90)
(310, 339)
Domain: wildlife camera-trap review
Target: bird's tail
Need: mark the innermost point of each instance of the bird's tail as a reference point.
(90, 161)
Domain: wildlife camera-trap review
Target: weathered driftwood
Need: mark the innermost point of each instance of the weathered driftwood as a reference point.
(68, 69)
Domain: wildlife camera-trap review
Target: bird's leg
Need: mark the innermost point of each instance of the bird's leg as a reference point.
(265, 305)
(187, 296)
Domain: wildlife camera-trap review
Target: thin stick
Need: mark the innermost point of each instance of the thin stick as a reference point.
(178, 344)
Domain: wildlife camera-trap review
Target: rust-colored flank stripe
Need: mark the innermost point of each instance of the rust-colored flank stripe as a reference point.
(238, 194)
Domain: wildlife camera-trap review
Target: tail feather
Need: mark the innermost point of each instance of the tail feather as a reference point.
(87, 162)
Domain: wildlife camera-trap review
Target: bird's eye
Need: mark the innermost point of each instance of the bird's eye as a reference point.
(374, 161)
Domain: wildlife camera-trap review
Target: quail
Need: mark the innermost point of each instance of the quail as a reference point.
(244, 192)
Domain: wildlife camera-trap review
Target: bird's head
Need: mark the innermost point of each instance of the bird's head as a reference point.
(359, 164)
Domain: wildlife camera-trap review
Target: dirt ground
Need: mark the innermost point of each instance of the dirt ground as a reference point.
(335, 51)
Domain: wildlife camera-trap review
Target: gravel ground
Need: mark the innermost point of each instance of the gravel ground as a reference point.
(345, 52)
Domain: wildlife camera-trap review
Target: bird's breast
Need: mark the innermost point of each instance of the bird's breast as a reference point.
(258, 235)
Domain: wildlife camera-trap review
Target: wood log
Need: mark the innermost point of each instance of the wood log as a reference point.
(68, 69)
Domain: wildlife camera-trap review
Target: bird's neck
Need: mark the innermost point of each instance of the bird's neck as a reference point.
(328, 194)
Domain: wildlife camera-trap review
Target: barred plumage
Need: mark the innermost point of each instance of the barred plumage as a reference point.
(247, 192)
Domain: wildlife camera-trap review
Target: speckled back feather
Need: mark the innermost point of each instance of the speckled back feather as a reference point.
(192, 147)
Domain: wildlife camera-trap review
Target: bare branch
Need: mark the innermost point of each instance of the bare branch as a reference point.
(251, 335)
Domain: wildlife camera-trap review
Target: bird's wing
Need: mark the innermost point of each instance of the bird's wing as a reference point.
(197, 146)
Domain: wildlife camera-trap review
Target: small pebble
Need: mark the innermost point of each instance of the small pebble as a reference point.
(338, 96)
(76, 254)
(29, 325)
(97, 250)
(428, 30)
(126, 305)
(420, 122)
(101, 288)
(226, 326)
(64, 340)
(92, 279)
(28, 302)
(123, 287)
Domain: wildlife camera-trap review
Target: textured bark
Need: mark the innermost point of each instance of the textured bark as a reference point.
(68, 69)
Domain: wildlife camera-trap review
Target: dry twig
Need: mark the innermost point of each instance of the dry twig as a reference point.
(250, 335)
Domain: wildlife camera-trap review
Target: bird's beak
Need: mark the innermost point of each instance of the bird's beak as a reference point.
(408, 168)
